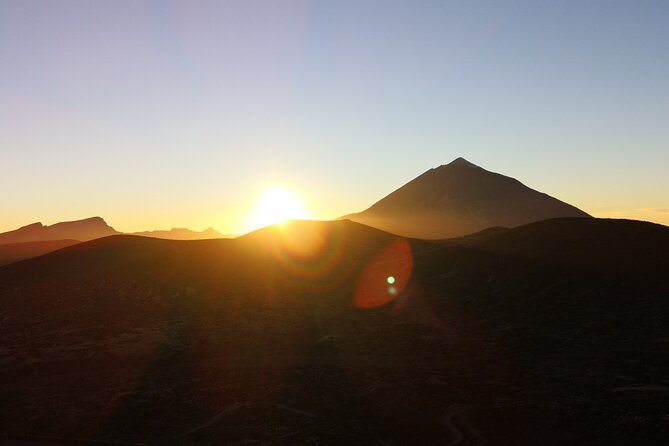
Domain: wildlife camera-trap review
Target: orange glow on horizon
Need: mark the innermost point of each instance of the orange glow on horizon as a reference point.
(276, 206)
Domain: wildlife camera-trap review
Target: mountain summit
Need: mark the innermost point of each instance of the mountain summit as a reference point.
(461, 198)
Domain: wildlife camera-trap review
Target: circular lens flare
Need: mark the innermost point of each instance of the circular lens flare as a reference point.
(385, 275)
(309, 254)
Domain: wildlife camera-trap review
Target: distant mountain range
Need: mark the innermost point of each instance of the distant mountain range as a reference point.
(182, 234)
(37, 239)
(92, 228)
(81, 230)
(452, 200)
(460, 198)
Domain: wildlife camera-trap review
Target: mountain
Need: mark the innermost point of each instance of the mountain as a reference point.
(460, 198)
(13, 252)
(554, 332)
(37, 239)
(82, 230)
(182, 234)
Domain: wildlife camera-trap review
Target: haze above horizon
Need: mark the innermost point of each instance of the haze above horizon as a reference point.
(182, 114)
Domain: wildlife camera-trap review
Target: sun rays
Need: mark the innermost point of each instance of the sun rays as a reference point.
(277, 205)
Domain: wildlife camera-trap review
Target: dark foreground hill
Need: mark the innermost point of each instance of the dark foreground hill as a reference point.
(337, 333)
(460, 198)
(13, 252)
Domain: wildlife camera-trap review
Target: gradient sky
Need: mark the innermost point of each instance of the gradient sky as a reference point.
(159, 114)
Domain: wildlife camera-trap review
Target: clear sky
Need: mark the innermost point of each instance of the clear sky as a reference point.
(159, 114)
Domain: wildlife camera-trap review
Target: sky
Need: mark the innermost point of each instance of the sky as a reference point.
(159, 114)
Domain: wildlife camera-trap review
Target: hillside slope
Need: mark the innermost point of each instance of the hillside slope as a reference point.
(460, 198)
(294, 333)
(13, 252)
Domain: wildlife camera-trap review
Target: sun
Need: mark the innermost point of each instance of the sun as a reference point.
(277, 205)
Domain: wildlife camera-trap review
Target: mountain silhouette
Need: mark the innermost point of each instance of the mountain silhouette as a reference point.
(65, 233)
(553, 332)
(82, 230)
(460, 198)
(182, 234)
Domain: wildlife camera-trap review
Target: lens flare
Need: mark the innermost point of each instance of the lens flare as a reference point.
(385, 276)
(309, 254)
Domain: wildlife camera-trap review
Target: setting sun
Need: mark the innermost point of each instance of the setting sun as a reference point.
(277, 205)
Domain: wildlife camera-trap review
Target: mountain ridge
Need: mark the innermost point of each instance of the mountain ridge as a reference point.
(82, 230)
(181, 234)
(92, 228)
(460, 198)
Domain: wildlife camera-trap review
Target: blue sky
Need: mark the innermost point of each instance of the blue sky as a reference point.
(160, 114)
